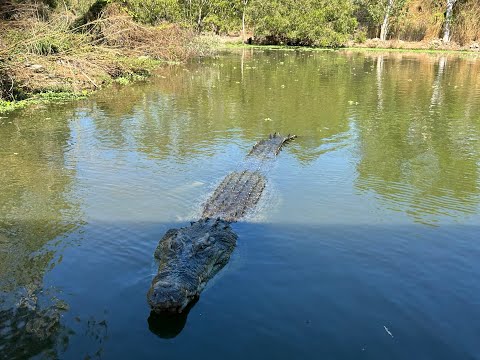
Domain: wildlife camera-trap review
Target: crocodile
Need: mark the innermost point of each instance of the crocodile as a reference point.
(190, 256)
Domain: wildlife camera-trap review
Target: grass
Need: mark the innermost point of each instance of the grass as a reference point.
(354, 48)
(41, 98)
(427, 51)
(273, 47)
(129, 78)
(61, 58)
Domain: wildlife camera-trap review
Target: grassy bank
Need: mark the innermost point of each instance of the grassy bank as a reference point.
(426, 46)
(369, 45)
(41, 98)
(57, 55)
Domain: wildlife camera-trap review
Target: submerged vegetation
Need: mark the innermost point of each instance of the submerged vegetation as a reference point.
(74, 45)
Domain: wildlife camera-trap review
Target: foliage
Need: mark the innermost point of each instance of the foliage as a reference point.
(423, 21)
(224, 17)
(154, 11)
(360, 36)
(304, 22)
(466, 25)
(371, 13)
(204, 45)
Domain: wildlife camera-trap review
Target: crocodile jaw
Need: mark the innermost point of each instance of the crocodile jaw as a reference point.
(189, 258)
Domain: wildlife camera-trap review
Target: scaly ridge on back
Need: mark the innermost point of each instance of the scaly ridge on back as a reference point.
(240, 192)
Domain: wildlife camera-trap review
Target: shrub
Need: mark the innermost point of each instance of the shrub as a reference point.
(306, 22)
(360, 36)
(466, 26)
(154, 12)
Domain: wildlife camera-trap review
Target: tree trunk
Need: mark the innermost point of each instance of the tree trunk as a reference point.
(448, 20)
(189, 12)
(243, 20)
(199, 21)
(384, 27)
(243, 25)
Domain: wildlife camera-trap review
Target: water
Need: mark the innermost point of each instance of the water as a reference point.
(364, 246)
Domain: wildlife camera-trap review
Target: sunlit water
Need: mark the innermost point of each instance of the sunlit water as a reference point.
(364, 246)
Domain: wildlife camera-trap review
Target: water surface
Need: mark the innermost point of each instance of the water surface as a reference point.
(364, 246)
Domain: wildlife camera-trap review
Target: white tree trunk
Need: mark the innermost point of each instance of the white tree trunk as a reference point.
(384, 27)
(245, 2)
(448, 20)
(243, 25)
(199, 21)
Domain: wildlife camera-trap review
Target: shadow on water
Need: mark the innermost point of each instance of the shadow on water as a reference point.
(358, 277)
(169, 325)
(34, 327)
(340, 285)
(26, 333)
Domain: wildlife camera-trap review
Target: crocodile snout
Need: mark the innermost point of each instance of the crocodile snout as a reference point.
(167, 297)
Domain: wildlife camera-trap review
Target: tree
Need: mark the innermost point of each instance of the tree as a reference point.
(303, 22)
(384, 27)
(244, 9)
(195, 11)
(224, 16)
(220, 15)
(378, 14)
(448, 20)
(154, 11)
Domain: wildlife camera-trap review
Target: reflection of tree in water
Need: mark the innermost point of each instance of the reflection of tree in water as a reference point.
(33, 327)
(420, 150)
(250, 94)
(36, 207)
(27, 331)
(415, 115)
(36, 210)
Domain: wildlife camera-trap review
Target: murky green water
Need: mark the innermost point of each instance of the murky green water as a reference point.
(365, 245)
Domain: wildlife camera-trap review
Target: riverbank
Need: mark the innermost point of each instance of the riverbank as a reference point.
(66, 56)
(39, 63)
(435, 45)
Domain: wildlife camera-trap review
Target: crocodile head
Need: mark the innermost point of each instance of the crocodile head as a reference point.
(189, 257)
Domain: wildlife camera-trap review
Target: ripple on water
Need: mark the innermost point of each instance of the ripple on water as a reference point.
(422, 207)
